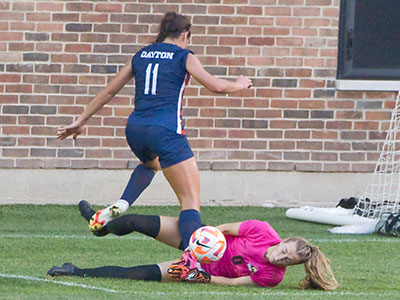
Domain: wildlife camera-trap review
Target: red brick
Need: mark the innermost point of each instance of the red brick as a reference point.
(309, 145)
(78, 48)
(4, 27)
(241, 155)
(5, 6)
(11, 120)
(98, 153)
(10, 152)
(280, 166)
(64, 79)
(307, 11)
(282, 124)
(87, 142)
(261, 21)
(44, 130)
(297, 134)
(114, 122)
(68, 110)
(269, 93)
(240, 41)
(213, 50)
(30, 120)
(11, 16)
(138, 8)
(226, 144)
(59, 120)
(281, 145)
(112, 7)
(21, 26)
(5, 99)
(10, 78)
(76, 6)
(289, 62)
(278, 11)
(378, 115)
(11, 36)
(101, 131)
(218, 133)
(17, 130)
(64, 58)
(227, 166)
(221, 9)
(241, 134)
(36, 78)
(228, 102)
(269, 134)
(38, 17)
(260, 61)
(253, 144)
(298, 72)
(113, 164)
(94, 17)
(249, 10)
(84, 164)
(31, 141)
(49, 6)
(297, 93)
(114, 142)
(92, 80)
(19, 88)
(324, 135)
(308, 167)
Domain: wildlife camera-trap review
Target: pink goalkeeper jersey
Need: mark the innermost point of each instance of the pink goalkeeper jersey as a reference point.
(244, 255)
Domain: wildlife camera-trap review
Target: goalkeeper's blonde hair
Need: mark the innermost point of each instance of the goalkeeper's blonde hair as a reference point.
(319, 274)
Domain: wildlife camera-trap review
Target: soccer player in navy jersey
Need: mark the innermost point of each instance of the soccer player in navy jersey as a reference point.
(154, 130)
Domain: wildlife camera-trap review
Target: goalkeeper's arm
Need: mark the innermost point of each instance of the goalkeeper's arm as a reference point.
(244, 281)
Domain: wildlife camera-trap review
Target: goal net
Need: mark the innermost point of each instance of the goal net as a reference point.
(383, 193)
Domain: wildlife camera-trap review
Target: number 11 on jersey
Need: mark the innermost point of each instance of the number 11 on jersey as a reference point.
(148, 78)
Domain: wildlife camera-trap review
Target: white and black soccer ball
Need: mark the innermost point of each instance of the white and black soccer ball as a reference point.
(207, 244)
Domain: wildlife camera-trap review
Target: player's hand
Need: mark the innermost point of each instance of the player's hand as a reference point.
(195, 275)
(244, 81)
(74, 129)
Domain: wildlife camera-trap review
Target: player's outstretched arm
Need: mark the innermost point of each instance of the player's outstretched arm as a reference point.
(122, 77)
(213, 83)
(230, 228)
(244, 281)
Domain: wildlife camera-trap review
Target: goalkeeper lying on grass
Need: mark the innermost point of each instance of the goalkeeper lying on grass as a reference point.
(255, 255)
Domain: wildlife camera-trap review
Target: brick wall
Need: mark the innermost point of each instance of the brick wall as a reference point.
(56, 55)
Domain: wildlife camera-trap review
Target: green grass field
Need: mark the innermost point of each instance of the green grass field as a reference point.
(34, 238)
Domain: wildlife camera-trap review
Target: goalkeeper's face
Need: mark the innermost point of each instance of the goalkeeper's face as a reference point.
(283, 254)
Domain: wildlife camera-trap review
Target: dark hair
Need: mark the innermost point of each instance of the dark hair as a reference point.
(172, 25)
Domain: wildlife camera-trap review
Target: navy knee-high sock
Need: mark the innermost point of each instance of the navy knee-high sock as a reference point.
(139, 181)
(146, 272)
(189, 221)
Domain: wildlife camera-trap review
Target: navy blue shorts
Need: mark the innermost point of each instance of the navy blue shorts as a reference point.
(148, 142)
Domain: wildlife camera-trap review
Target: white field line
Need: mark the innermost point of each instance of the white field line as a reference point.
(268, 293)
(141, 237)
(85, 286)
(83, 237)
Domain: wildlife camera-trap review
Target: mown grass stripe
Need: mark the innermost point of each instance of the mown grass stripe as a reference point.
(267, 293)
(85, 286)
(56, 236)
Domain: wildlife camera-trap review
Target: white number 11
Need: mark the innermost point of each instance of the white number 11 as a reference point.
(154, 81)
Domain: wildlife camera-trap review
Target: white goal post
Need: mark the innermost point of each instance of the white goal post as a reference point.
(382, 195)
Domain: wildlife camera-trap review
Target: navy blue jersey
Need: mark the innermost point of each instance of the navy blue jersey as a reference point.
(160, 78)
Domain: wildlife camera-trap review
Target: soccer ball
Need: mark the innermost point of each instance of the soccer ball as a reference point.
(207, 244)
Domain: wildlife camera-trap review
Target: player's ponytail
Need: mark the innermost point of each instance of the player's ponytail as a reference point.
(172, 25)
(317, 266)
